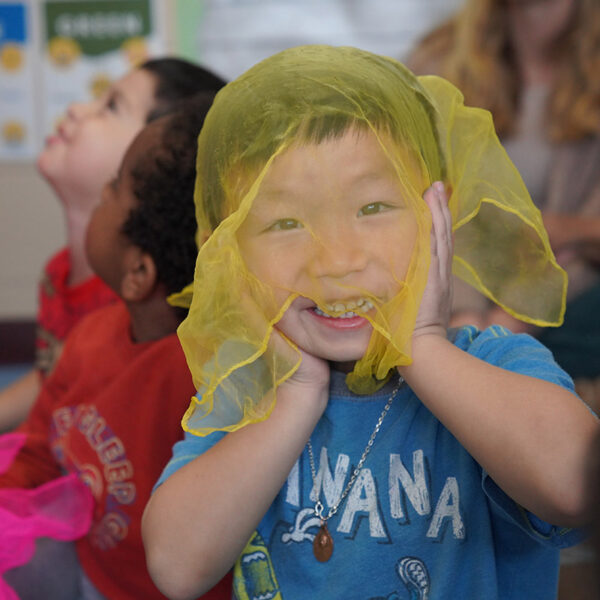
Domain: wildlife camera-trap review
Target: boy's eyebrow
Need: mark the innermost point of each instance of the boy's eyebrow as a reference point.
(275, 194)
(281, 192)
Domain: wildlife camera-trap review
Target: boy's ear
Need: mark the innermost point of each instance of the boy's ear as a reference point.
(139, 277)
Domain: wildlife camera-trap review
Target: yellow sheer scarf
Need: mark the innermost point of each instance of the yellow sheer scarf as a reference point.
(313, 95)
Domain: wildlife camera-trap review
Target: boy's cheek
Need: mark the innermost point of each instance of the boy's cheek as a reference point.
(400, 254)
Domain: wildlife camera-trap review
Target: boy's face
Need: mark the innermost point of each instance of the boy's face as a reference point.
(330, 222)
(105, 242)
(88, 144)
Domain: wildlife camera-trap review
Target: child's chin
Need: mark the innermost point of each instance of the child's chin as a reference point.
(46, 165)
(41, 163)
(342, 366)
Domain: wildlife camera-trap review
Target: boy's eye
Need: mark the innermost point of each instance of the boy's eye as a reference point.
(373, 208)
(110, 103)
(285, 225)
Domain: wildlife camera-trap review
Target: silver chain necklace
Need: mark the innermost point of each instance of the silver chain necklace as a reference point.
(323, 542)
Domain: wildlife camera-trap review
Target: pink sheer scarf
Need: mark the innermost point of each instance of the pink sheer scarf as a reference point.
(60, 509)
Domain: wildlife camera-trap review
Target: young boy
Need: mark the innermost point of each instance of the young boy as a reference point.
(111, 411)
(352, 446)
(84, 152)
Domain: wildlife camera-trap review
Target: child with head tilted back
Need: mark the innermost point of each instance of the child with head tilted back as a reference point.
(111, 410)
(77, 160)
(343, 442)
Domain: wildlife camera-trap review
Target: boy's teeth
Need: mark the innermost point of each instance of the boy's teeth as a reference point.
(347, 308)
(345, 315)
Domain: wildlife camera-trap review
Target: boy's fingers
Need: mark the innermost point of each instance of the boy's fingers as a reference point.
(439, 234)
(442, 223)
(444, 198)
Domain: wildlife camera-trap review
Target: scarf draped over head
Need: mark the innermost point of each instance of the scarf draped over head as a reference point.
(311, 95)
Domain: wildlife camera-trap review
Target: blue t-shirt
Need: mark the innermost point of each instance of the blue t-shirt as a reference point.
(422, 521)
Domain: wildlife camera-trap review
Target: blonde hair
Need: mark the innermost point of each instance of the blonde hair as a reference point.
(472, 50)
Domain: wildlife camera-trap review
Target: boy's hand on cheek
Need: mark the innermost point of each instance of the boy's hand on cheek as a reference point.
(434, 311)
(312, 373)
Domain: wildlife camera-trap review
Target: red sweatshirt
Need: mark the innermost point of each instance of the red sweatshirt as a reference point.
(111, 411)
(61, 306)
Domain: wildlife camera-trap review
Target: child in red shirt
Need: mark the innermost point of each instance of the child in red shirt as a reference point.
(111, 410)
(82, 154)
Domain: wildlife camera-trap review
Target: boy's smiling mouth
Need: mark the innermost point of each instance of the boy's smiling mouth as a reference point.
(350, 313)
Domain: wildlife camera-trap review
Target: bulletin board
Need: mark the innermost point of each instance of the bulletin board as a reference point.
(18, 119)
(54, 52)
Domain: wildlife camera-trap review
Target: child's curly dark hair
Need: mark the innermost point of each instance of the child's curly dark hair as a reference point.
(164, 223)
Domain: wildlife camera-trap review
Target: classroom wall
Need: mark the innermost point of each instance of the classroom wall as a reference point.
(229, 36)
(31, 228)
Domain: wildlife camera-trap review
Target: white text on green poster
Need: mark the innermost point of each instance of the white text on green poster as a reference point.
(95, 28)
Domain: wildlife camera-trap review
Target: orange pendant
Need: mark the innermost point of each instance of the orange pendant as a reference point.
(323, 544)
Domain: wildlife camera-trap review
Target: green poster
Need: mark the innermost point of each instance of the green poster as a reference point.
(94, 28)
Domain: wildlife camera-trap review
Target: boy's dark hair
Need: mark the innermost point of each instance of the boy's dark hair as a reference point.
(178, 79)
(321, 93)
(163, 224)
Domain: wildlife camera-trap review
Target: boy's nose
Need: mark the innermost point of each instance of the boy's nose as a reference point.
(81, 110)
(338, 255)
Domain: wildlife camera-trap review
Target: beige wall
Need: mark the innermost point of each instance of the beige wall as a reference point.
(31, 228)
